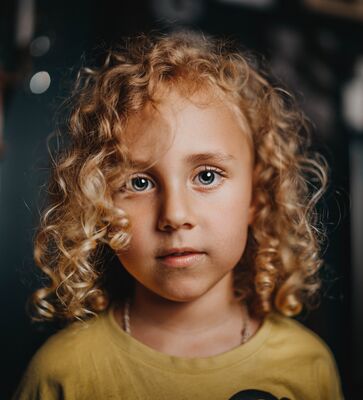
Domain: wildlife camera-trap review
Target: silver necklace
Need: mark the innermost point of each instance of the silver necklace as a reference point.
(245, 333)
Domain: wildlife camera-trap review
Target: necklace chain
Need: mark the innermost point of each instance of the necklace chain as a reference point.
(245, 333)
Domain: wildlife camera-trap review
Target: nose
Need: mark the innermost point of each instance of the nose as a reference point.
(176, 210)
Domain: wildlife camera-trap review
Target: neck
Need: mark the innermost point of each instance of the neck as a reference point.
(209, 312)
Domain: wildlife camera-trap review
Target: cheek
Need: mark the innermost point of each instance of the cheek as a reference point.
(231, 228)
(141, 227)
(230, 222)
(140, 212)
(140, 238)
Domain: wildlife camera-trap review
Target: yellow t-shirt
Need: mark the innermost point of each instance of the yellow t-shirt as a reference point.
(97, 360)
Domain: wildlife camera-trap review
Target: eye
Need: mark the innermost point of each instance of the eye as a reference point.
(208, 174)
(137, 183)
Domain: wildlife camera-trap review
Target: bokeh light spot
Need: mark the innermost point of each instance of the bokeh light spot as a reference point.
(39, 46)
(40, 82)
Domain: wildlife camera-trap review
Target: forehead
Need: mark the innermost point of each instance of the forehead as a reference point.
(175, 126)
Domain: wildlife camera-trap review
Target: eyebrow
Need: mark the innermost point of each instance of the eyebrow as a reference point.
(192, 159)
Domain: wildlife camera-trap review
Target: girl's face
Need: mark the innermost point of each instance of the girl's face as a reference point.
(197, 195)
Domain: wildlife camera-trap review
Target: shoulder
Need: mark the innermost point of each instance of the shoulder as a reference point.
(293, 344)
(298, 337)
(75, 362)
(66, 352)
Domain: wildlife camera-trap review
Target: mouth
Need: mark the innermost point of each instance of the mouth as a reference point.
(181, 259)
(178, 251)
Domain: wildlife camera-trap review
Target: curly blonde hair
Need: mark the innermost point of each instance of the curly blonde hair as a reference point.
(81, 229)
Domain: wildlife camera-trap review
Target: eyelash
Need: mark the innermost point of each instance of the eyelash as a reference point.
(206, 169)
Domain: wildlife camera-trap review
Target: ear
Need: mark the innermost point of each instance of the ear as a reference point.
(251, 214)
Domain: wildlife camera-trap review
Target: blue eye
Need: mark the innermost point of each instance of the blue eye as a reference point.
(140, 183)
(135, 184)
(208, 176)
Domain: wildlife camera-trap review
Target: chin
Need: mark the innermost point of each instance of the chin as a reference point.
(182, 294)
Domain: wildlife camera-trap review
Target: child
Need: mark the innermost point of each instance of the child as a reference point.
(179, 285)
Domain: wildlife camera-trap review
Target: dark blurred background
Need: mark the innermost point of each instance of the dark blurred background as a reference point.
(314, 46)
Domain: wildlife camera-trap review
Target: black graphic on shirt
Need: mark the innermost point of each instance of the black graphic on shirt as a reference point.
(253, 394)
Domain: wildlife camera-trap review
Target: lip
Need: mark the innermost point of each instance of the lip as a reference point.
(182, 261)
(172, 250)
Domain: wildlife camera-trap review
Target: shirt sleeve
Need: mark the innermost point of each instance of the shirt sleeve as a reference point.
(329, 382)
(37, 383)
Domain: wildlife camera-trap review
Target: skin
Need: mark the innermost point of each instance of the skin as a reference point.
(188, 311)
